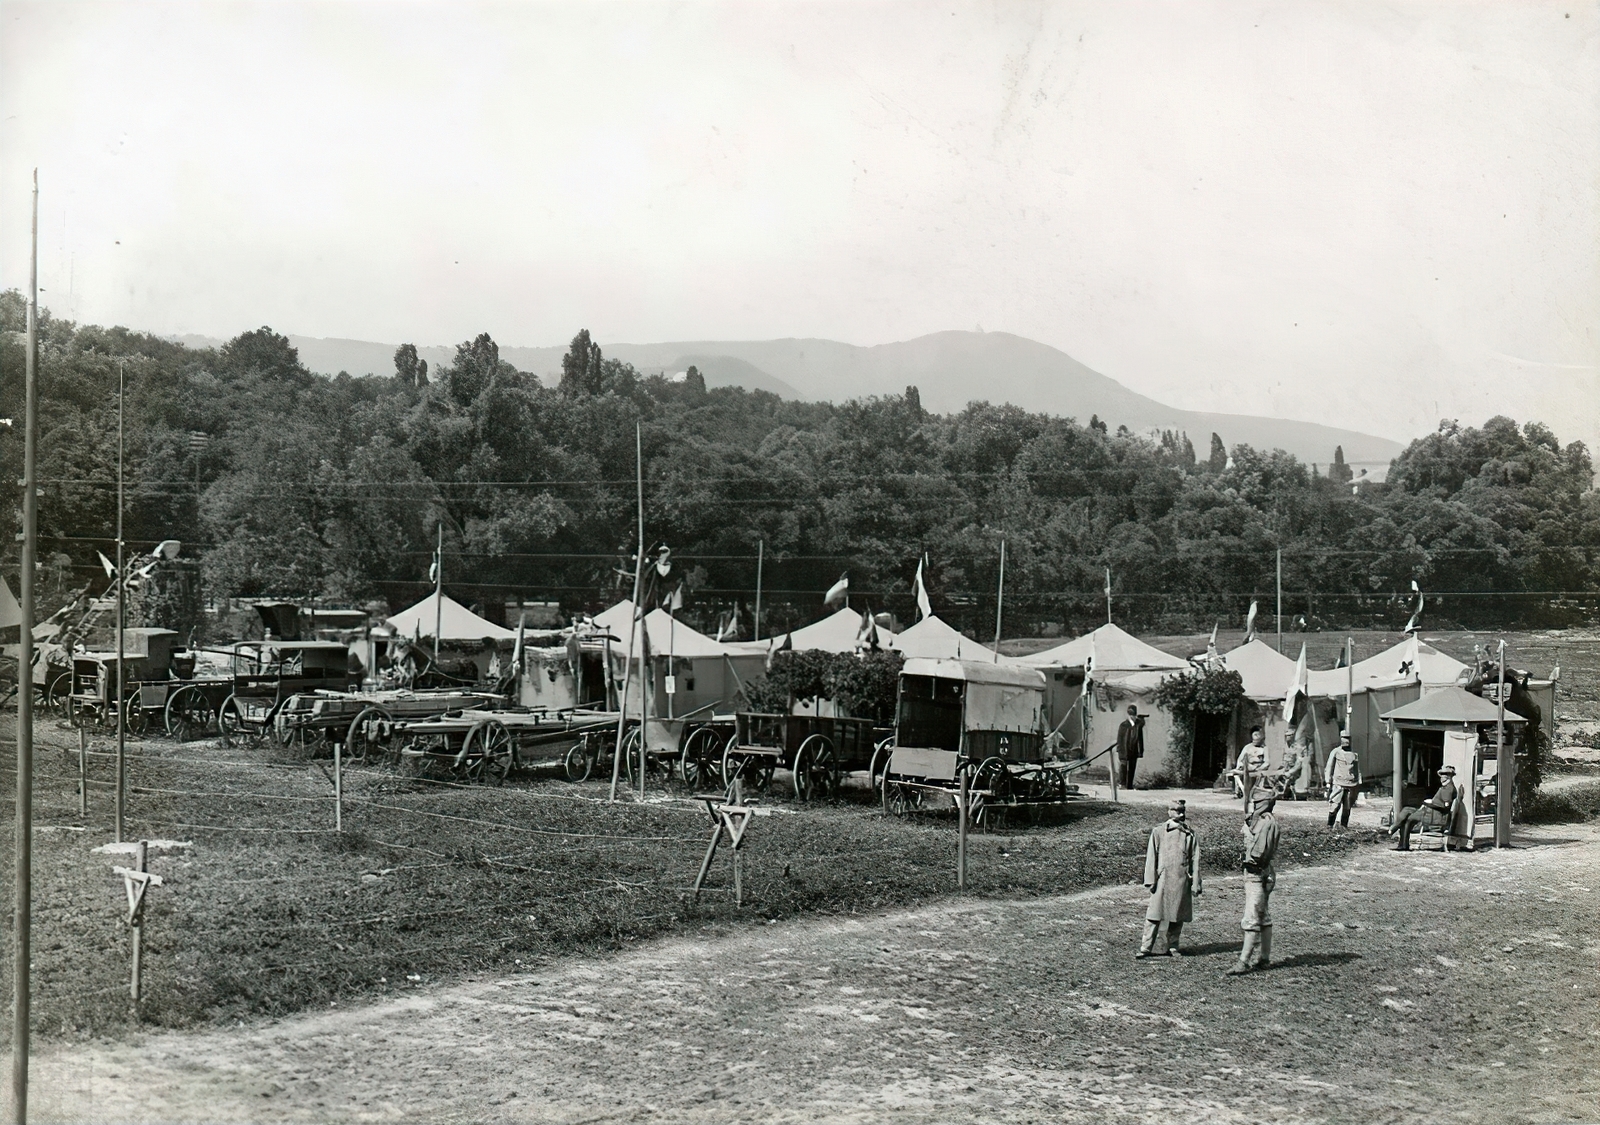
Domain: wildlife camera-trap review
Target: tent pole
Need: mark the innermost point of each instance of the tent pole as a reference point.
(1280, 599)
(438, 595)
(1505, 766)
(1000, 600)
(761, 558)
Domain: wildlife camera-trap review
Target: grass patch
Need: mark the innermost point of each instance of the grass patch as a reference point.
(271, 912)
(1572, 804)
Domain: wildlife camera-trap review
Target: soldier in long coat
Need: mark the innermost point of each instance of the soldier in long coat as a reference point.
(1172, 876)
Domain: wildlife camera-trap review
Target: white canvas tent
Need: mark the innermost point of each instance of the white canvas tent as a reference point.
(1266, 672)
(1114, 650)
(838, 632)
(708, 676)
(932, 639)
(454, 621)
(1385, 670)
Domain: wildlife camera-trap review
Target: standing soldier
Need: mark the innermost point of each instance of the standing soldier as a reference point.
(1172, 876)
(1260, 845)
(1130, 744)
(1342, 776)
(1250, 765)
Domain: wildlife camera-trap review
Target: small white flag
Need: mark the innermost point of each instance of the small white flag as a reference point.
(924, 607)
(105, 562)
(675, 603)
(1250, 623)
(1300, 683)
(838, 590)
(1411, 626)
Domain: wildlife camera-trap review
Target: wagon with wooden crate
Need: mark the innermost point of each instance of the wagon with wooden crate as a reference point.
(363, 722)
(488, 745)
(263, 676)
(817, 750)
(973, 718)
(91, 696)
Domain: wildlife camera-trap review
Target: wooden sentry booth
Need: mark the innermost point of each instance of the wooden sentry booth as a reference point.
(1451, 726)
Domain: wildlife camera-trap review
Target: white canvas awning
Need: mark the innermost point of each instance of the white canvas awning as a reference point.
(1388, 669)
(1115, 650)
(455, 622)
(1266, 672)
(666, 636)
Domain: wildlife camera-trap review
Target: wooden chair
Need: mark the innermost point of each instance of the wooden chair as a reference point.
(1447, 830)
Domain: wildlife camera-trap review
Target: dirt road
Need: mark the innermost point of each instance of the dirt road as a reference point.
(1409, 987)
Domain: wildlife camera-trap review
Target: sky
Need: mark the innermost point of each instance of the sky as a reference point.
(1374, 215)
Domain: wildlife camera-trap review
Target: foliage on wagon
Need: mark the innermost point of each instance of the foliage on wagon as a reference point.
(864, 686)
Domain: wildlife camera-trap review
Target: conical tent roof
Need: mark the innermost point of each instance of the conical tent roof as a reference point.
(666, 637)
(1115, 650)
(1266, 672)
(932, 639)
(837, 632)
(455, 621)
(1383, 670)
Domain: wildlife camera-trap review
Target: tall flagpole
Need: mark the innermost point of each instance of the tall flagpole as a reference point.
(1108, 595)
(438, 595)
(22, 932)
(1280, 599)
(646, 685)
(761, 557)
(1000, 600)
(633, 624)
(122, 725)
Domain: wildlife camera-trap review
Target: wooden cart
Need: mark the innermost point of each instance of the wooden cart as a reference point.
(817, 750)
(490, 744)
(987, 720)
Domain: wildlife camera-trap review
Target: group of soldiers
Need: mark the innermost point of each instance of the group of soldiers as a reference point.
(1172, 859)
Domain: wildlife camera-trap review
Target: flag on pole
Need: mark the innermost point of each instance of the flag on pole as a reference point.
(664, 560)
(729, 627)
(1411, 660)
(1211, 645)
(433, 567)
(838, 590)
(1108, 581)
(105, 562)
(1411, 626)
(1250, 623)
(516, 650)
(1300, 682)
(675, 603)
(867, 635)
(786, 646)
(924, 607)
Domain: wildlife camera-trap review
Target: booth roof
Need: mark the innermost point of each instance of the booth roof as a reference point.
(1383, 670)
(1266, 672)
(666, 637)
(1450, 705)
(455, 622)
(932, 639)
(1115, 650)
(976, 672)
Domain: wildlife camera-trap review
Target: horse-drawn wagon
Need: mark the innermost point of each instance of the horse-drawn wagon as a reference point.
(985, 720)
(817, 750)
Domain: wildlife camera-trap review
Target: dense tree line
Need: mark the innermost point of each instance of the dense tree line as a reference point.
(289, 483)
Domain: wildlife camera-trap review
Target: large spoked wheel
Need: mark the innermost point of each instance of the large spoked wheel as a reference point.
(900, 799)
(994, 779)
(231, 721)
(702, 759)
(630, 754)
(189, 714)
(754, 770)
(816, 769)
(58, 693)
(488, 752)
(880, 766)
(370, 736)
(580, 760)
(134, 719)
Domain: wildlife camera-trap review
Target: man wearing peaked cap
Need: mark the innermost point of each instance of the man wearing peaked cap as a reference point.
(1260, 845)
(1172, 876)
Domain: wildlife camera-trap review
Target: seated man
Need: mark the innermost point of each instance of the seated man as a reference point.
(1250, 765)
(1432, 813)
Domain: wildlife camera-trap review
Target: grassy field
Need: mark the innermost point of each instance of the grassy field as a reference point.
(271, 912)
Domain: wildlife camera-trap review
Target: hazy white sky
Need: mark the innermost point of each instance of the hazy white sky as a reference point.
(1367, 214)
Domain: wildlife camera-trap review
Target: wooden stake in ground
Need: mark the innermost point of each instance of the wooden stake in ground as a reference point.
(136, 882)
(729, 817)
(965, 798)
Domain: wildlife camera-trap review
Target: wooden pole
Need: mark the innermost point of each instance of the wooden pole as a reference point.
(738, 863)
(761, 558)
(137, 986)
(961, 829)
(83, 770)
(22, 931)
(633, 626)
(646, 687)
(1280, 599)
(1505, 766)
(438, 595)
(1108, 595)
(1000, 601)
(338, 787)
(1399, 781)
(122, 585)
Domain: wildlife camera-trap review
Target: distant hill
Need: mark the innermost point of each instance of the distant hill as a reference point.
(949, 370)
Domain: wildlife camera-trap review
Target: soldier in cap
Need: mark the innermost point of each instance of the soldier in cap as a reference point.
(1260, 845)
(1342, 778)
(1172, 876)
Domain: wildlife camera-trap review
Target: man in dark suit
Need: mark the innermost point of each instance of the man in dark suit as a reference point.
(1130, 744)
(1432, 813)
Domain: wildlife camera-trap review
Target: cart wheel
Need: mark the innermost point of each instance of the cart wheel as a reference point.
(489, 755)
(579, 761)
(816, 769)
(232, 723)
(993, 776)
(702, 760)
(188, 714)
(900, 799)
(59, 693)
(370, 735)
(755, 770)
(880, 766)
(135, 721)
(630, 754)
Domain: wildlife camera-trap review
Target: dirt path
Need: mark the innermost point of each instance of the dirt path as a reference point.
(980, 1011)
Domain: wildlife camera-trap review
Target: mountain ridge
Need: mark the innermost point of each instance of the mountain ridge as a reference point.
(946, 367)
